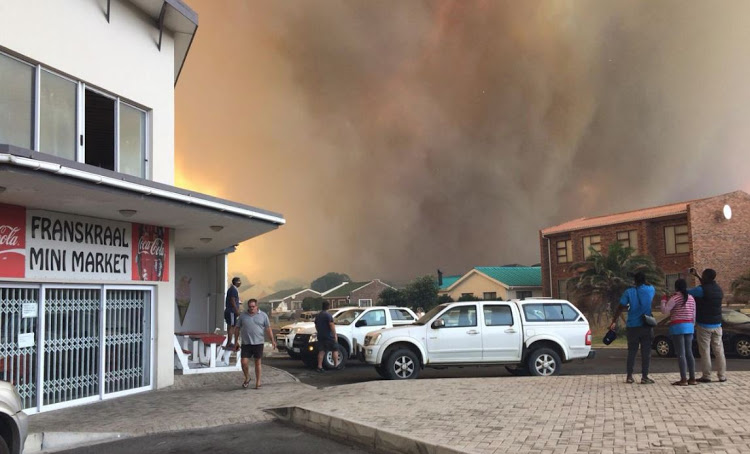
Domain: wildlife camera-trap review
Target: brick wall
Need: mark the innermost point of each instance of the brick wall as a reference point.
(371, 291)
(723, 245)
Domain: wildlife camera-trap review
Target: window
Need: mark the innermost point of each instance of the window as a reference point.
(676, 239)
(467, 295)
(113, 133)
(16, 102)
(565, 251)
(589, 242)
(523, 294)
(628, 239)
(495, 315)
(562, 289)
(342, 303)
(365, 303)
(374, 318)
(460, 316)
(401, 314)
(550, 312)
(489, 295)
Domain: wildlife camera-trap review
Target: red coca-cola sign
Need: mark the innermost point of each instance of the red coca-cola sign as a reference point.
(12, 241)
(150, 253)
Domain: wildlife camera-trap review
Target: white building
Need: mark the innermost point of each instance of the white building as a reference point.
(101, 257)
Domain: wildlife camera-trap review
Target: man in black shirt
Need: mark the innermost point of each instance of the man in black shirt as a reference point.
(327, 337)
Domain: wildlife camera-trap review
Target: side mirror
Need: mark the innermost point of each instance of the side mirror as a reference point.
(439, 323)
(360, 323)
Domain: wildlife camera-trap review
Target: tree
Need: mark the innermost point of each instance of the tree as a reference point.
(444, 298)
(741, 288)
(392, 297)
(422, 292)
(312, 303)
(601, 279)
(469, 297)
(329, 281)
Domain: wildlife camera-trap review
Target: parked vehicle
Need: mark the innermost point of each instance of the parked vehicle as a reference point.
(13, 423)
(534, 336)
(736, 335)
(351, 326)
(285, 336)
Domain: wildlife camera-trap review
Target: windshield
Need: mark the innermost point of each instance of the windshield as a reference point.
(347, 317)
(735, 317)
(428, 316)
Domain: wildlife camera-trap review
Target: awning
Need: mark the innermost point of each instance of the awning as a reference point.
(204, 225)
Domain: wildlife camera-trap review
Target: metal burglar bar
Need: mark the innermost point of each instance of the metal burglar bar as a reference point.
(127, 340)
(18, 364)
(71, 347)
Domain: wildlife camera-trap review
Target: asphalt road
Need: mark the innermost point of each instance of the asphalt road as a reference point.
(260, 438)
(607, 361)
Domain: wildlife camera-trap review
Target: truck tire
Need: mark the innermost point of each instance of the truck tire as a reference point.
(544, 362)
(3, 447)
(328, 358)
(402, 364)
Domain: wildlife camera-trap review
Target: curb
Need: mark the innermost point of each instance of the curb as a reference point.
(362, 434)
(41, 442)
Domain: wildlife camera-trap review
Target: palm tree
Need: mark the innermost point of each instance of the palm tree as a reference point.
(601, 279)
(741, 288)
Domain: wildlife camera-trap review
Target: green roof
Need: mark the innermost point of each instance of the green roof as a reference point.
(449, 280)
(345, 290)
(514, 276)
(280, 295)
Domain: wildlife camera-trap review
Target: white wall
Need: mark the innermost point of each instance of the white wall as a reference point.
(73, 36)
(196, 272)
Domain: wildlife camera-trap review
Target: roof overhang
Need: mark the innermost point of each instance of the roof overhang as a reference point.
(177, 17)
(204, 225)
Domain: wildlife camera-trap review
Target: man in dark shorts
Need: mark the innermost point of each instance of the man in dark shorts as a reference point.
(327, 337)
(253, 326)
(232, 313)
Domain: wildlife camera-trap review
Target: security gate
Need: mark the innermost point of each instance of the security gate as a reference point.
(87, 342)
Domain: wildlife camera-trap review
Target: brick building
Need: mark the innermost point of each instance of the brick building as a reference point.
(288, 300)
(694, 233)
(363, 294)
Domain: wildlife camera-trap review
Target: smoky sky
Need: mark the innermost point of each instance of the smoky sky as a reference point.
(401, 137)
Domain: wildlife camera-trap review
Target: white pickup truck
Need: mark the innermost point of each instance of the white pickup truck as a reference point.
(351, 327)
(534, 336)
(285, 336)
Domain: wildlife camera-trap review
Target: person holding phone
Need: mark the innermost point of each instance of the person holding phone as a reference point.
(708, 333)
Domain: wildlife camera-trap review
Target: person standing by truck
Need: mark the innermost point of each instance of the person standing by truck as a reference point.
(638, 301)
(327, 337)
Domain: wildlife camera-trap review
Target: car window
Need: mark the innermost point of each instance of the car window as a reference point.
(569, 314)
(347, 317)
(498, 315)
(533, 312)
(400, 314)
(550, 312)
(460, 316)
(553, 313)
(375, 317)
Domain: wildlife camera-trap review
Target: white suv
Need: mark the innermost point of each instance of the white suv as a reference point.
(285, 336)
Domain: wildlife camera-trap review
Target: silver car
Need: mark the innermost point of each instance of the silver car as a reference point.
(13, 423)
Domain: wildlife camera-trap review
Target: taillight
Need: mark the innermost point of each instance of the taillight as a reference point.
(588, 338)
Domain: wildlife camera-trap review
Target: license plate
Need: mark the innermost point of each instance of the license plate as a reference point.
(295, 349)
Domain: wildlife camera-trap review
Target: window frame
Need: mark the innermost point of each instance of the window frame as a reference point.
(673, 241)
(80, 117)
(567, 247)
(628, 242)
(489, 296)
(489, 306)
(364, 302)
(597, 245)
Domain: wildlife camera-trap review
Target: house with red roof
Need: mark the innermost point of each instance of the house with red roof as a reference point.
(713, 232)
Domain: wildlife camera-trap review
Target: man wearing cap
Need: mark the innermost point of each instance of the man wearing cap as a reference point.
(708, 333)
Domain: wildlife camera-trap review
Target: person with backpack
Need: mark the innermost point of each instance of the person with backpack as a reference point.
(681, 310)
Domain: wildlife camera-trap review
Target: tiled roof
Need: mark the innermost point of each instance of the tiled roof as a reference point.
(514, 276)
(619, 218)
(448, 281)
(280, 295)
(345, 290)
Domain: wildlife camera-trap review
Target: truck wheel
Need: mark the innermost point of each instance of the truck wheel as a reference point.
(402, 365)
(3, 447)
(544, 362)
(742, 347)
(328, 358)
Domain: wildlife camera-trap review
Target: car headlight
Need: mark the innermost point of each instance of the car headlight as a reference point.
(313, 338)
(375, 339)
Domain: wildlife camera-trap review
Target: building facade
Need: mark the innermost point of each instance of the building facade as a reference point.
(361, 294)
(698, 233)
(289, 300)
(494, 283)
(101, 257)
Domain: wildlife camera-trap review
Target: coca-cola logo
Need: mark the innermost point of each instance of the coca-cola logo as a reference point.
(154, 247)
(9, 235)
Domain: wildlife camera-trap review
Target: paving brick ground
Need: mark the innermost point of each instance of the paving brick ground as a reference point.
(569, 414)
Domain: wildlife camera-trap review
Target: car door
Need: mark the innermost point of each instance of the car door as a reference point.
(459, 340)
(373, 320)
(502, 334)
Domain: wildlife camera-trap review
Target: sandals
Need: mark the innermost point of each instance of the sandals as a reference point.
(680, 383)
(629, 380)
(646, 381)
(692, 381)
(704, 380)
(257, 386)
(245, 384)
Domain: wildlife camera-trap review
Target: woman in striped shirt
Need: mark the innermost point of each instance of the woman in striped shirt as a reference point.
(681, 310)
